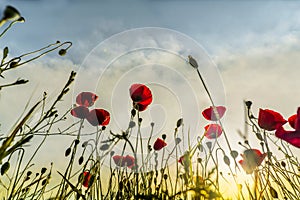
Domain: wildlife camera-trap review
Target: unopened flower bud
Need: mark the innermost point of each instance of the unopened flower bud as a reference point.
(62, 52)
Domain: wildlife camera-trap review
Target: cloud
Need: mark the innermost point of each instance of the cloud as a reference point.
(266, 76)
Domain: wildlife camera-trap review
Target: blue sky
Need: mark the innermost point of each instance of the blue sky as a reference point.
(254, 44)
(218, 25)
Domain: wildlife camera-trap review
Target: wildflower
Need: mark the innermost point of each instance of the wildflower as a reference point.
(141, 96)
(192, 62)
(214, 113)
(98, 117)
(159, 144)
(213, 131)
(123, 161)
(86, 99)
(185, 159)
(80, 112)
(270, 120)
(181, 160)
(252, 158)
(86, 179)
(292, 137)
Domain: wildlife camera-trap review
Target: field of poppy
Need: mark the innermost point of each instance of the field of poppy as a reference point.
(204, 170)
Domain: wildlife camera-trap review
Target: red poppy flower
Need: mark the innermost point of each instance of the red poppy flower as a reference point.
(270, 120)
(185, 160)
(213, 131)
(181, 160)
(292, 137)
(252, 158)
(123, 161)
(98, 117)
(141, 95)
(86, 99)
(214, 113)
(86, 178)
(80, 112)
(159, 144)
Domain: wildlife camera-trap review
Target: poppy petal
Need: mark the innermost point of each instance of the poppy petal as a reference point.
(119, 161)
(297, 122)
(292, 137)
(86, 99)
(86, 178)
(292, 120)
(129, 160)
(213, 131)
(98, 117)
(159, 144)
(80, 112)
(270, 120)
(214, 113)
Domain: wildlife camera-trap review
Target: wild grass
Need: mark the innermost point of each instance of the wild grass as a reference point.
(204, 170)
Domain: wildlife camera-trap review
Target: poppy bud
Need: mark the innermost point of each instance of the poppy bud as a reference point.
(62, 52)
(283, 164)
(80, 161)
(103, 128)
(140, 120)
(226, 160)
(164, 136)
(104, 147)
(273, 192)
(5, 168)
(209, 145)
(179, 122)
(131, 124)
(234, 154)
(76, 142)
(177, 140)
(248, 104)
(44, 182)
(192, 62)
(133, 112)
(68, 151)
(84, 144)
(165, 176)
(13, 64)
(43, 170)
(112, 153)
(152, 124)
(29, 173)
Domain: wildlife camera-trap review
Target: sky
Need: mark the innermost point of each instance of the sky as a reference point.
(250, 48)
